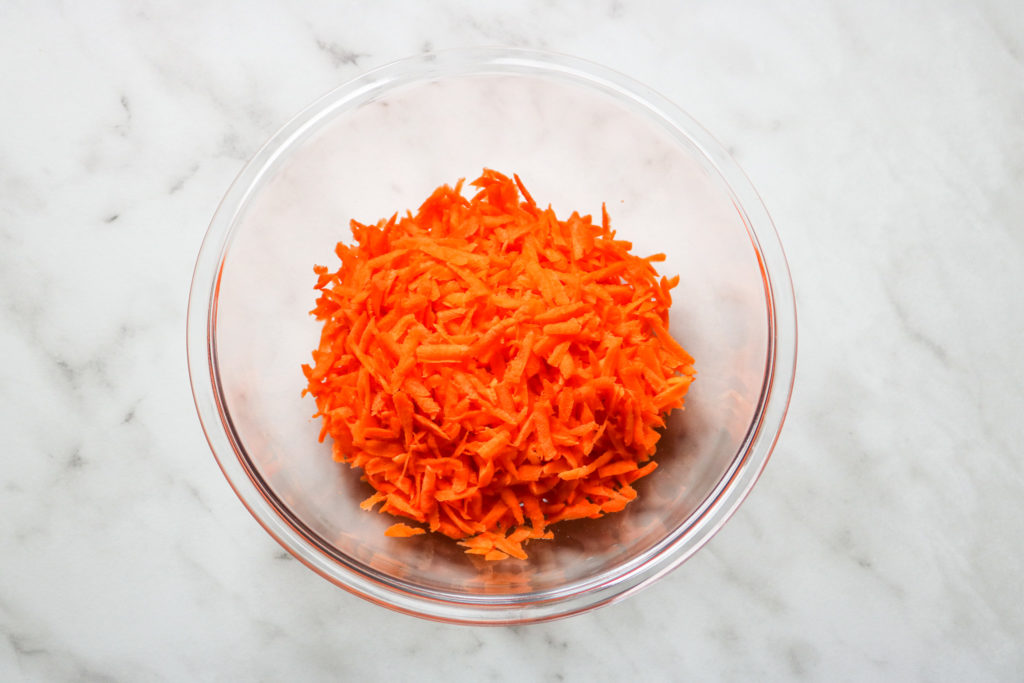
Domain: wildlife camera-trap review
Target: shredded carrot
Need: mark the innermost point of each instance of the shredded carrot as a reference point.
(493, 370)
(401, 530)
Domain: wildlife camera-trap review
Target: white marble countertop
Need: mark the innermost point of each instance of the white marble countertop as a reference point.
(885, 540)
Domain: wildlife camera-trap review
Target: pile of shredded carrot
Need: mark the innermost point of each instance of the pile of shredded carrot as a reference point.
(492, 369)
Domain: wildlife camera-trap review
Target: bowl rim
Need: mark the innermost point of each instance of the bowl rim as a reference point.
(610, 585)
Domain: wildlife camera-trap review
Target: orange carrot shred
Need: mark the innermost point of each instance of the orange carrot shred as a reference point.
(494, 370)
(401, 530)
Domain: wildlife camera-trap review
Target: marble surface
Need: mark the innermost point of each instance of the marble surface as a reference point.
(885, 540)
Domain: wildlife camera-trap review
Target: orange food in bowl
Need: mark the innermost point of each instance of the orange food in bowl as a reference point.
(492, 369)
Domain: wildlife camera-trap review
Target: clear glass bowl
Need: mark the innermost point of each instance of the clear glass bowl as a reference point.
(578, 135)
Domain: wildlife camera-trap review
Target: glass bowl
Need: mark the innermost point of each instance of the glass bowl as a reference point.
(578, 135)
